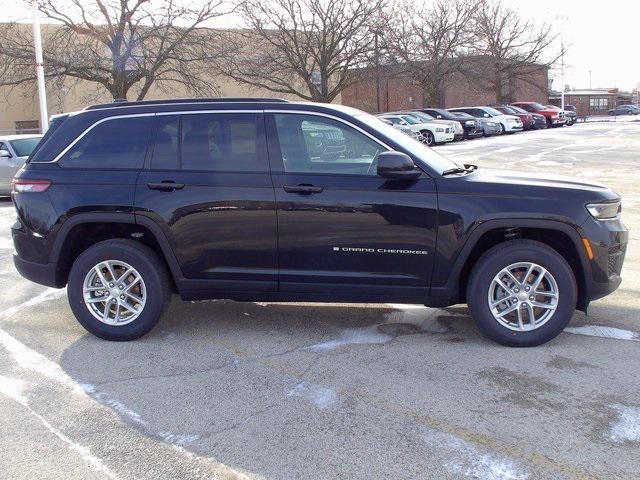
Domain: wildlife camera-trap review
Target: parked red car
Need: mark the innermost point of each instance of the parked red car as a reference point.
(554, 118)
(527, 118)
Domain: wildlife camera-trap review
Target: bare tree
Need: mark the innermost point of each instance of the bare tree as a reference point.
(430, 42)
(517, 48)
(307, 48)
(118, 44)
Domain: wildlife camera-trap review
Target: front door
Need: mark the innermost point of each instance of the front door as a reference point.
(343, 230)
(208, 187)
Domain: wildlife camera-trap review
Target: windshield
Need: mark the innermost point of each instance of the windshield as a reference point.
(492, 111)
(409, 120)
(24, 146)
(422, 115)
(415, 148)
(508, 110)
(537, 106)
(518, 110)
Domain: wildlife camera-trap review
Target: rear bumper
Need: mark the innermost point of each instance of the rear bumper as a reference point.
(44, 274)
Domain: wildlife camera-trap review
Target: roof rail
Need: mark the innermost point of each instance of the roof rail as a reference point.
(124, 104)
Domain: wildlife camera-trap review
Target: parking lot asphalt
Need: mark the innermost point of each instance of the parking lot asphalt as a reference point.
(281, 391)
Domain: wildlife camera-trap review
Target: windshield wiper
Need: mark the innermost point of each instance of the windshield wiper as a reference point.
(464, 169)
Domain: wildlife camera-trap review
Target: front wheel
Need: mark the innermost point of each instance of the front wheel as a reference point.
(118, 289)
(429, 139)
(522, 293)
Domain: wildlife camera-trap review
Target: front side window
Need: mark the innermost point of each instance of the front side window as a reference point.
(314, 144)
(114, 143)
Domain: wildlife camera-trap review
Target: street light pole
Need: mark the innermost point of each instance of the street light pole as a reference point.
(42, 92)
(377, 33)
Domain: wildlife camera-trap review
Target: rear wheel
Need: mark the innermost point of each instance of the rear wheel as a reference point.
(522, 293)
(118, 289)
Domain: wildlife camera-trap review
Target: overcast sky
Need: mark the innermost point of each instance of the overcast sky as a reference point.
(601, 37)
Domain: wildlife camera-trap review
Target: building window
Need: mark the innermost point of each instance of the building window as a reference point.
(27, 126)
(598, 103)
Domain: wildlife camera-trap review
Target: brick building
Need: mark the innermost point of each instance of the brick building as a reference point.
(461, 89)
(593, 101)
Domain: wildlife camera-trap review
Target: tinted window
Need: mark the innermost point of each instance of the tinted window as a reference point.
(116, 143)
(24, 146)
(222, 142)
(312, 144)
(165, 147)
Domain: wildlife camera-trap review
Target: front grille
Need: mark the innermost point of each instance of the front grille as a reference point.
(448, 130)
(615, 260)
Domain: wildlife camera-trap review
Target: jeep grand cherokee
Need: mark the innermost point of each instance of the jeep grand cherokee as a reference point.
(236, 198)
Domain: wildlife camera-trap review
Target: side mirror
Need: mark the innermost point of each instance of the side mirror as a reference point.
(486, 115)
(5, 154)
(397, 165)
(439, 116)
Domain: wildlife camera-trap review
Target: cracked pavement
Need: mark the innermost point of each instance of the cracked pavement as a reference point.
(222, 389)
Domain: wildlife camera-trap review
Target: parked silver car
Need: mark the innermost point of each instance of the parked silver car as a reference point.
(14, 150)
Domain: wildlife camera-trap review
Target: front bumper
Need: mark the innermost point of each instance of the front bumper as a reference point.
(608, 240)
(442, 137)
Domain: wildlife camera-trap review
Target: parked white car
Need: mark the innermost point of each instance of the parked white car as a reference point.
(432, 132)
(405, 129)
(14, 150)
(509, 123)
(458, 131)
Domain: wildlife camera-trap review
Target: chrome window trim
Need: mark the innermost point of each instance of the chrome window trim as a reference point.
(217, 111)
(91, 127)
(327, 115)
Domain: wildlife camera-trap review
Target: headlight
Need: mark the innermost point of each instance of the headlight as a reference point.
(512, 120)
(605, 211)
(439, 129)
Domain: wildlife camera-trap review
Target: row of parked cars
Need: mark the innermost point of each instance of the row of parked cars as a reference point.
(434, 126)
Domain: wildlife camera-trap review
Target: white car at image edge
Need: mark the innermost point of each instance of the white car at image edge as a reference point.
(14, 151)
(433, 132)
(509, 123)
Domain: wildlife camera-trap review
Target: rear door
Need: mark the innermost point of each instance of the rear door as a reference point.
(207, 185)
(342, 229)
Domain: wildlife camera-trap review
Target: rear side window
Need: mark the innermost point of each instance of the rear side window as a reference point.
(222, 142)
(115, 143)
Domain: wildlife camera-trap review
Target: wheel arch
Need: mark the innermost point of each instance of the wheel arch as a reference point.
(86, 229)
(560, 236)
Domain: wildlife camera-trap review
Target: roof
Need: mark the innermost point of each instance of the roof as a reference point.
(124, 103)
(592, 91)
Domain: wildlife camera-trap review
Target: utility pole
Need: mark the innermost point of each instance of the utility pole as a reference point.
(562, 18)
(377, 33)
(589, 79)
(42, 92)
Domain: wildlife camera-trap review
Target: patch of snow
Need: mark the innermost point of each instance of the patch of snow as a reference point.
(549, 163)
(134, 417)
(13, 388)
(627, 427)
(31, 360)
(6, 244)
(471, 461)
(604, 332)
(321, 397)
(352, 336)
(507, 149)
(48, 294)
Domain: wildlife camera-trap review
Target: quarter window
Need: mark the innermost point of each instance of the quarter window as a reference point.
(313, 144)
(115, 143)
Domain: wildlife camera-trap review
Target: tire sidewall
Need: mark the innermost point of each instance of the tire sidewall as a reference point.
(490, 264)
(144, 264)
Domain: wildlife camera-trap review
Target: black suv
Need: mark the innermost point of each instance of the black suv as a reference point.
(238, 199)
(471, 126)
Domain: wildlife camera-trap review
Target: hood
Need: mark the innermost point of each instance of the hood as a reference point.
(538, 185)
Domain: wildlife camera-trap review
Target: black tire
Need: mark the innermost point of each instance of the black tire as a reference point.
(429, 138)
(508, 253)
(149, 266)
(502, 129)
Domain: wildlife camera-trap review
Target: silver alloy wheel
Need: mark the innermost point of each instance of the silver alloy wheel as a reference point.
(523, 296)
(114, 292)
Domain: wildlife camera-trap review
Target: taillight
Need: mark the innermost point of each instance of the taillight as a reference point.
(23, 185)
